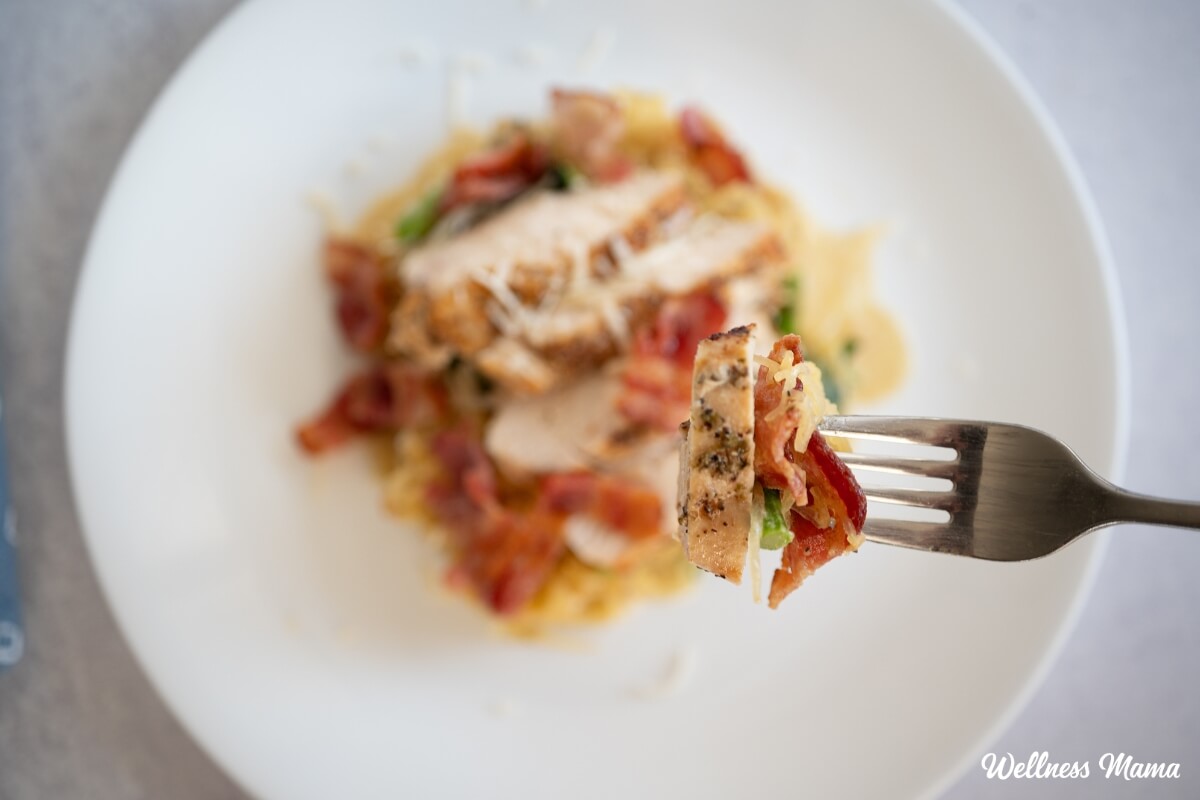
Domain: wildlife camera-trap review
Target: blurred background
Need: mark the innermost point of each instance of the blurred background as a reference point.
(1122, 80)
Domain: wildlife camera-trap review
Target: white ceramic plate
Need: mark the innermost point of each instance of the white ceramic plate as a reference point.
(290, 625)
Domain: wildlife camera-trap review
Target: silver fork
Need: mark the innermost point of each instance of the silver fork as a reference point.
(1017, 493)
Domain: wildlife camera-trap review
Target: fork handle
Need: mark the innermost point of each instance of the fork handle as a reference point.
(1130, 507)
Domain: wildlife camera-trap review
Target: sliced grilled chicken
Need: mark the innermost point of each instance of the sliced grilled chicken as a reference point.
(559, 431)
(588, 326)
(548, 239)
(710, 249)
(567, 275)
(717, 458)
(541, 236)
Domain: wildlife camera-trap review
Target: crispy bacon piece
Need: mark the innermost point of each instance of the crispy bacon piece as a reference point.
(466, 490)
(384, 397)
(587, 130)
(622, 505)
(774, 457)
(658, 379)
(835, 512)
(498, 174)
(510, 557)
(839, 478)
(504, 555)
(363, 290)
(709, 148)
(813, 547)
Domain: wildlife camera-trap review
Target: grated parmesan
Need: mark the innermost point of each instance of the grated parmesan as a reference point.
(614, 319)
(678, 673)
(621, 250)
(596, 49)
(323, 205)
(677, 222)
(810, 406)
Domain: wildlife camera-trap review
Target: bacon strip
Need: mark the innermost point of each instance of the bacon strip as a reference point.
(587, 128)
(824, 526)
(466, 491)
(658, 379)
(836, 510)
(812, 548)
(385, 397)
(511, 556)
(504, 555)
(838, 477)
(364, 292)
(710, 150)
(619, 504)
(498, 174)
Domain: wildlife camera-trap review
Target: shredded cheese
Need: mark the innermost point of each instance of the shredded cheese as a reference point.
(555, 290)
(495, 283)
(504, 322)
(581, 270)
(810, 406)
(621, 250)
(320, 202)
(787, 501)
(785, 371)
(756, 529)
(774, 370)
(597, 48)
(675, 679)
(674, 224)
(614, 319)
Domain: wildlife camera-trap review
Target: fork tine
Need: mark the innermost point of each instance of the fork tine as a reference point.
(946, 501)
(919, 467)
(910, 430)
(936, 536)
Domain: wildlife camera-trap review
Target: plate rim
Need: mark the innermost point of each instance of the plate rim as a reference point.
(1069, 171)
(1076, 182)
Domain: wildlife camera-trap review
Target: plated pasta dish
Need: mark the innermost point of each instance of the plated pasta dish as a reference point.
(594, 348)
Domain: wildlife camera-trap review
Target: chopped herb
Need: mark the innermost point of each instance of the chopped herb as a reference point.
(849, 348)
(566, 177)
(420, 219)
(775, 532)
(787, 318)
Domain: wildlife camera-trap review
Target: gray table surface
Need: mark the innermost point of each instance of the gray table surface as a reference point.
(78, 718)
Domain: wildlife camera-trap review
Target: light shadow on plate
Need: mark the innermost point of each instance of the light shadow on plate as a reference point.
(330, 559)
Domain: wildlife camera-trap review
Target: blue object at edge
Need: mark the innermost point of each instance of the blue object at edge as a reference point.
(12, 639)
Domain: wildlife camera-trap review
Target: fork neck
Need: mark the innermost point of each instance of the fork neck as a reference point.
(1123, 506)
